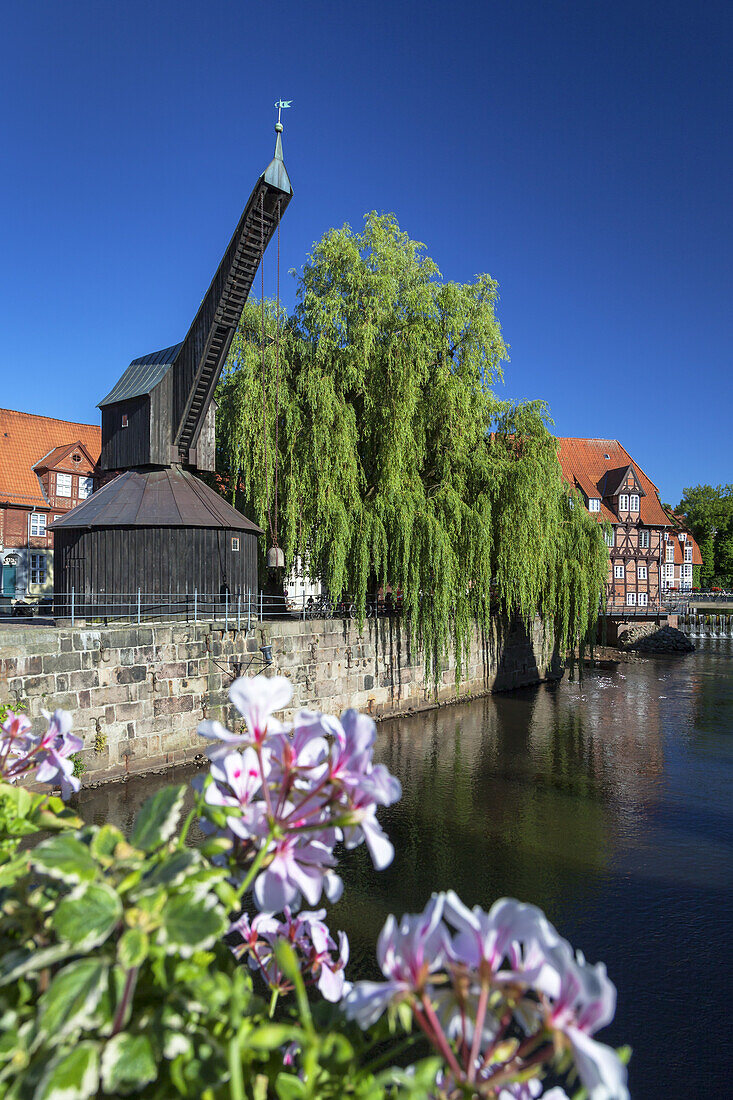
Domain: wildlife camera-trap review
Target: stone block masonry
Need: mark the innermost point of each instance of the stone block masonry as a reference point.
(137, 693)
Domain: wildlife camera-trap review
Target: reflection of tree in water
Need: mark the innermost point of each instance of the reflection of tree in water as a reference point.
(499, 797)
(711, 688)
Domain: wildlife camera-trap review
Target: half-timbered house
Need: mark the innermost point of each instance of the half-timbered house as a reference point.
(47, 467)
(644, 541)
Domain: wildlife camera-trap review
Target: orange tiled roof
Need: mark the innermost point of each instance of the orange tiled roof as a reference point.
(584, 464)
(25, 439)
(679, 548)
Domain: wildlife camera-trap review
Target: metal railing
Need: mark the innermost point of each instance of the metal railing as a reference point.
(236, 610)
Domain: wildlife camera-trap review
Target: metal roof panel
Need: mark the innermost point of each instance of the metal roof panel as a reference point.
(142, 375)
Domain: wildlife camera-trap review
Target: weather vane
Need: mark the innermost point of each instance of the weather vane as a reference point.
(280, 104)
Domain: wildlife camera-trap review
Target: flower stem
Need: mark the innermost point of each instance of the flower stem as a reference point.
(255, 867)
(273, 1002)
(127, 994)
(478, 1029)
(439, 1037)
(186, 827)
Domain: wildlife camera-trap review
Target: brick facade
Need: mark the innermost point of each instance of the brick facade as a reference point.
(47, 467)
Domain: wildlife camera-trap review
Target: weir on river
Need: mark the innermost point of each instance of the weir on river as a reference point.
(706, 624)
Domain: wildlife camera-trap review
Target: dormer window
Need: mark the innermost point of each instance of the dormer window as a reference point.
(623, 502)
(634, 502)
(594, 504)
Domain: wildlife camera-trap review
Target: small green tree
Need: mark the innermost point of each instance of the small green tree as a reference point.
(396, 463)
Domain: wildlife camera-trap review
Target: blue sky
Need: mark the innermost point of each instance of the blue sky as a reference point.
(580, 151)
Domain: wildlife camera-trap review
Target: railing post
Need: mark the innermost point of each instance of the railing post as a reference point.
(239, 612)
(72, 606)
(195, 605)
(249, 608)
(261, 607)
(226, 608)
(138, 607)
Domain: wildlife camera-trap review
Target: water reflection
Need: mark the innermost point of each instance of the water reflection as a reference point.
(606, 800)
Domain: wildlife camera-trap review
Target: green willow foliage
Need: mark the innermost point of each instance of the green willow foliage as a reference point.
(397, 464)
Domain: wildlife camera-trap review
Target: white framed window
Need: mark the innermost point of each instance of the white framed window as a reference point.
(670, 553)
(86, 487)
(643, 599)
(594, 504)
(235, 544)
(634, 502)
(58, 515)
(642, 572)
(688, 553)
(37, 524)
(623, 502)
(631, 598)
(669, 572)
(687, 572)
(63, 485)
(619, 572)
(644, 538)
(609, 537)
(38, 568)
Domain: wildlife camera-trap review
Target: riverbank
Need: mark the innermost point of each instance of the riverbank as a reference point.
(137, 693)
(605, 799)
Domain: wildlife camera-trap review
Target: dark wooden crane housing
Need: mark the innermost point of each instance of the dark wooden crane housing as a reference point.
(156, 526)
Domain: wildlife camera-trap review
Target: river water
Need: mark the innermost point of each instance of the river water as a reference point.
(607, 801)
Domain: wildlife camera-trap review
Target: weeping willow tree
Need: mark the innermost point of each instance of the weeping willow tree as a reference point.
(395, 463)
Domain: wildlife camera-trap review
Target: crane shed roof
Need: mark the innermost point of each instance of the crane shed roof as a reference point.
(142, 375)
(171, 497)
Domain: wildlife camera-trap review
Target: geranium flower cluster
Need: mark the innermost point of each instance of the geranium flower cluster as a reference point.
(499, 995)
(22, 751)
(320, 959)
(285, 795)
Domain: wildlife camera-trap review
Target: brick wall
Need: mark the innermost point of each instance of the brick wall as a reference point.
(137, 693)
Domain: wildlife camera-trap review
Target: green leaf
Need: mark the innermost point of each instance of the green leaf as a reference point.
(271, 1036)
(104, 842)
(157, 819)
(133, 948)
(191, 924)
(290, 1087)
(128, 1063)
(27, 961)
(71, 1076)
(71, 998)
(66, 858)
(172, 870)
(87, 920)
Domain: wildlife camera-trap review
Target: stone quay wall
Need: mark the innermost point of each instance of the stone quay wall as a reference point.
(137, 693)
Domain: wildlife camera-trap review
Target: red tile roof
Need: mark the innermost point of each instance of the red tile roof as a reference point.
(25, 439)
(584, 463)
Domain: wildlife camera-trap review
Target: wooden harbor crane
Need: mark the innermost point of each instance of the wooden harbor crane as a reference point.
(156, 526)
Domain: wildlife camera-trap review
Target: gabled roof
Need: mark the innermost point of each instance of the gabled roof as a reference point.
(56, 456)
(601, 463)
(171, 497)
(142, 375)
(26, 440)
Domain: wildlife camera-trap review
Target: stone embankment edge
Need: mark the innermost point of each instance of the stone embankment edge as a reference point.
(138, 693)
